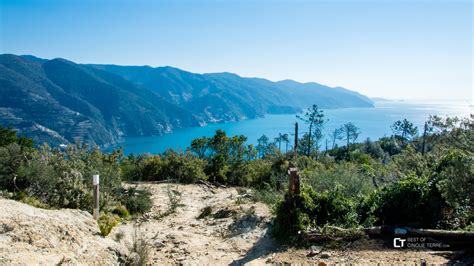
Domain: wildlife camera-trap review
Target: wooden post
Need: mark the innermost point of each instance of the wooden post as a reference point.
(95, 183)
(294, 188)
(295, 148)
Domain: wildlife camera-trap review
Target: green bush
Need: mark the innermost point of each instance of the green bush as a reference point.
(409, 163)
(9, 136)
(136, 200)
(310, 209)
(185, 168)
(352, 179)
(373, 149)
(268, 196)
(454, 179)
(181, 167)
(217, 169)
(390, 145)
(133, 168)
(407, 202)
(12, 156)
(107, 222)
(256, 173)
(55, 179)
(121, 211)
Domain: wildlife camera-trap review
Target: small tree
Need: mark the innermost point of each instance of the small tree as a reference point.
(9, 135)
(199, 146)
(286, 140)
(251, 152)
(336, 135)
(314, 117)
(405, 130)
(278, 140)
(304, 143)
(262, 145)
(350, 134)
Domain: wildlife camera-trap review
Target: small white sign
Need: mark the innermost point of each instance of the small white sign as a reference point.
(95, 180)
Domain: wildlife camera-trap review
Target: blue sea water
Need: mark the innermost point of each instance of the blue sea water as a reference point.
(373, 123)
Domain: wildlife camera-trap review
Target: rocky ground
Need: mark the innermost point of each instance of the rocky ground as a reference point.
(32, 236)
(211, 226)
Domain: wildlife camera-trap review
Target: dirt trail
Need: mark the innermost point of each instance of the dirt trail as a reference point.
(183, 238)
(233, 231)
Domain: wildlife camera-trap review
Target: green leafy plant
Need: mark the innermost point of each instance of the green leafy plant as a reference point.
(107, 222)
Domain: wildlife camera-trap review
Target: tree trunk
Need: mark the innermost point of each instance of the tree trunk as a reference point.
(309, 139)
(348, 143)
(424, 140)
(295, 148)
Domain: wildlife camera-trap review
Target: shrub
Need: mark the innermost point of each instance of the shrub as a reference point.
(139, 251)
(107, 222)
(407, 202)
(373, 149)
(11, 157)
(174, 197)
(217, 169)
(32, 201)
(352, 179)
(390, 145)
(136, 200)
(409, 162)
(9, 136)
(268, 195)
(121, 211)
(309, 209)
(134, 168)
(182, 167)
(256, 173)
(185, 168)
(454, 179)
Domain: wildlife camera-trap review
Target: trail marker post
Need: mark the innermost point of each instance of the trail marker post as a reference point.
(294, 183)
(95, 184)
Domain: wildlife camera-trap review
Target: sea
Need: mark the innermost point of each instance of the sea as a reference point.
(373, 123)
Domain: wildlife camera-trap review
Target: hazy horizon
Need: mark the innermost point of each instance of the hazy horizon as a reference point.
(394, 50)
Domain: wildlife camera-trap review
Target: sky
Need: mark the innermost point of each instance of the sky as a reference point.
(391, 49)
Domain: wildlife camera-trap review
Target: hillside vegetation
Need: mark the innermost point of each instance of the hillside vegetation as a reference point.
(404, 180)
(60, 102)
(229, 97)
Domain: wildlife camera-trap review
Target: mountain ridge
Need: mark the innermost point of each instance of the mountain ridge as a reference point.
(59, 101)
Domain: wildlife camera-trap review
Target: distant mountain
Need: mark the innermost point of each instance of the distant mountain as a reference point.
(58, 101)
(228, 97)
(380, 99)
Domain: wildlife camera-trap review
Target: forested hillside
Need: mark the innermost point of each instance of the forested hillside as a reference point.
(229, 97)
(59, 102)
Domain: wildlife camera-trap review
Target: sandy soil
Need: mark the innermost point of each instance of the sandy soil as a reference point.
(243, 236)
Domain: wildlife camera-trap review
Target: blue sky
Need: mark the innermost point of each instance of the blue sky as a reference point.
(392, 49)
